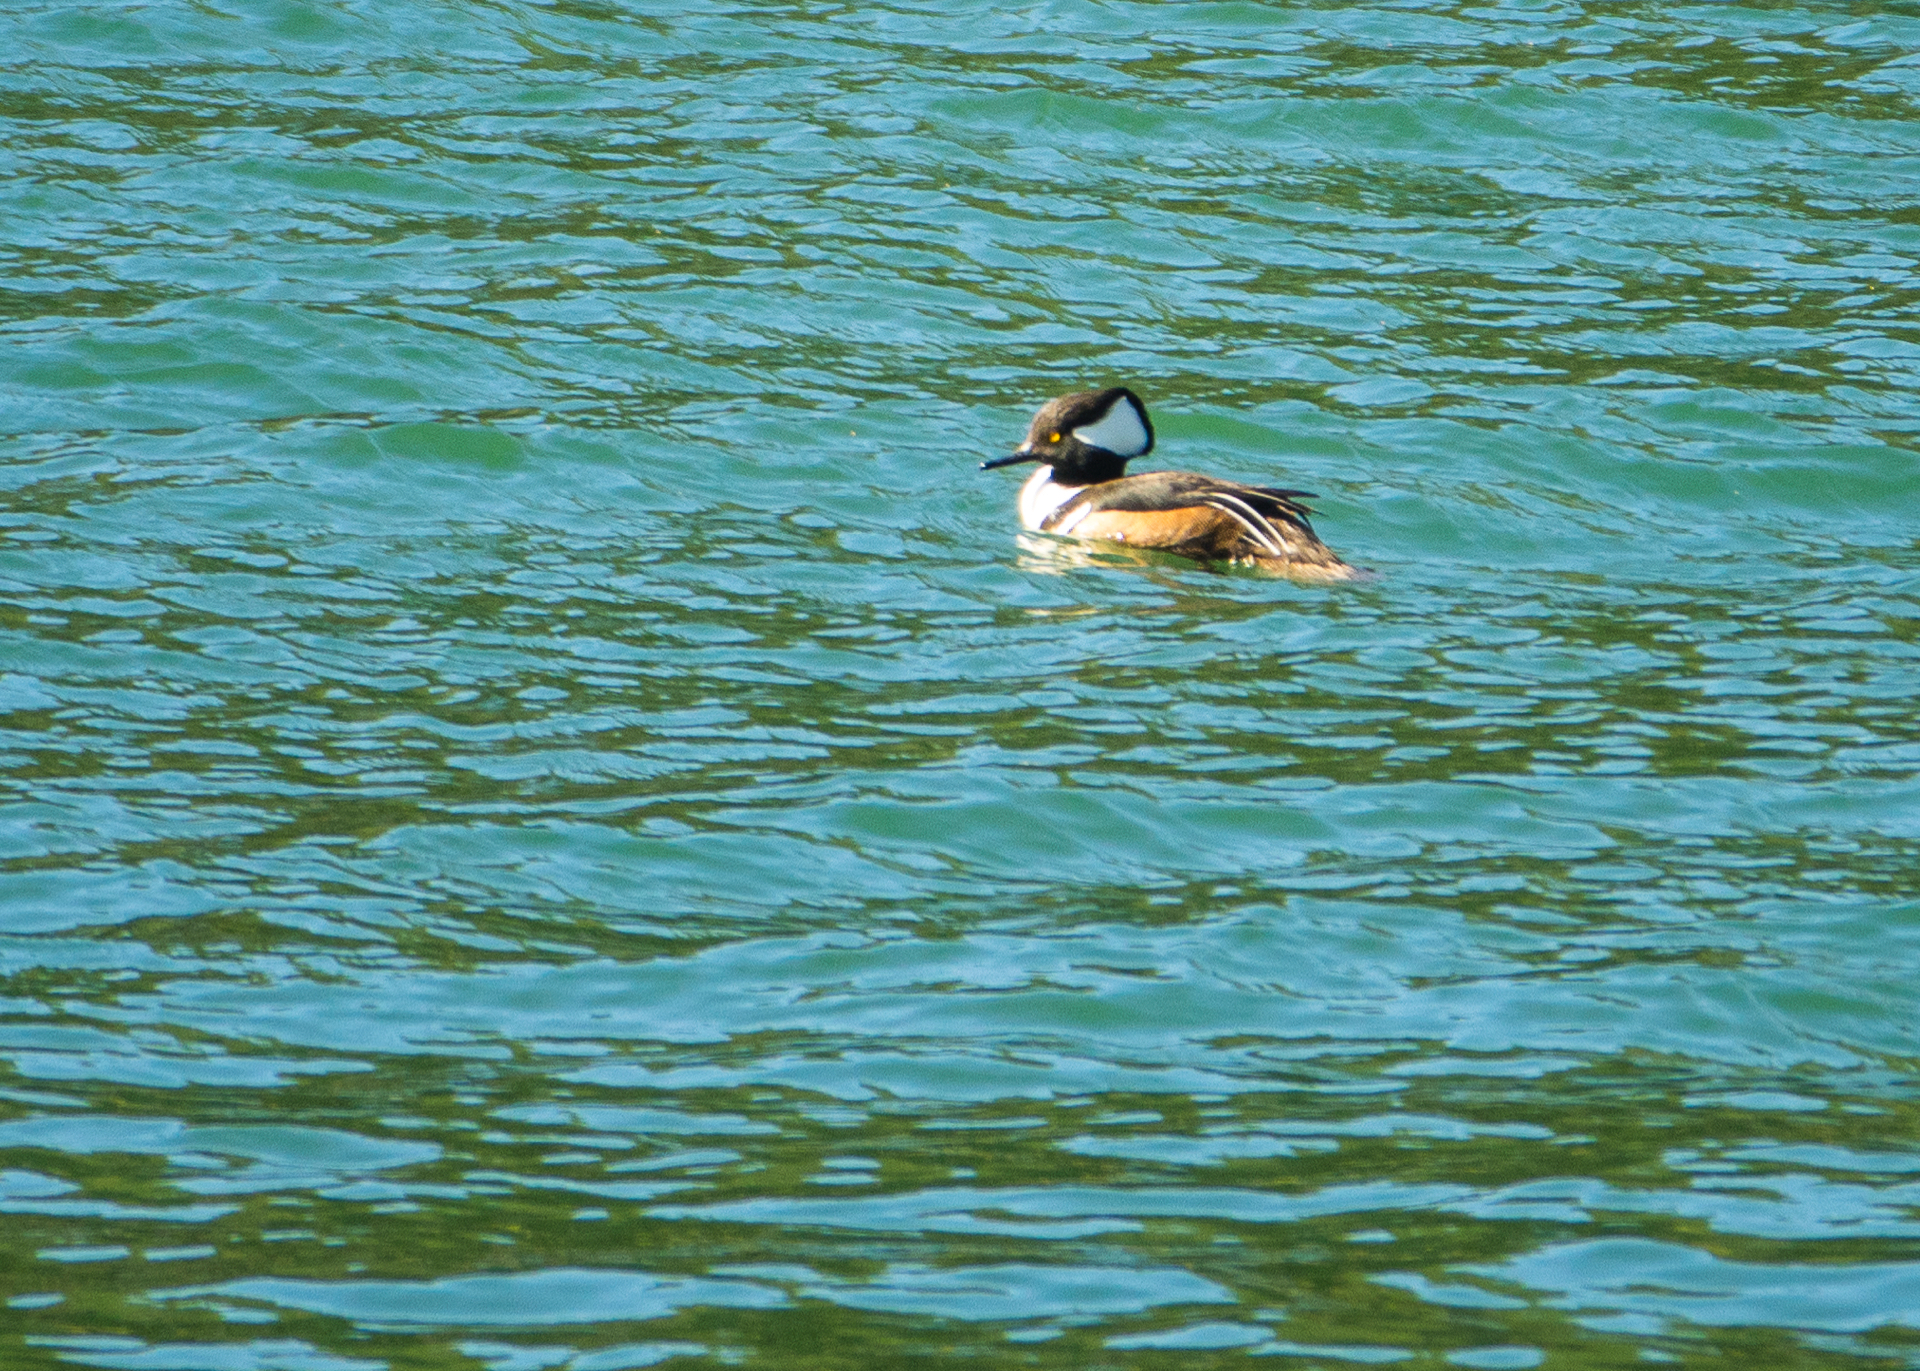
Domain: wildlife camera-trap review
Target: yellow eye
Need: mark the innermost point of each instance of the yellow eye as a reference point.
(1053, 437)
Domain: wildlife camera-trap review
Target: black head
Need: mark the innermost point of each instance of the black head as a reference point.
(1086, 437)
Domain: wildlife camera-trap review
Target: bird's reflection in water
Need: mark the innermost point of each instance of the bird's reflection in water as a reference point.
(1039, 552)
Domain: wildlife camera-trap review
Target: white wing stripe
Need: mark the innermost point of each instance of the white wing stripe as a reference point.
(1256, 523)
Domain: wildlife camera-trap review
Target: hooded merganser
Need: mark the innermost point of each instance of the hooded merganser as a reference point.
(1084, 441)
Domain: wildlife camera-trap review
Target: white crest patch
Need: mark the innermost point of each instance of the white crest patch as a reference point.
(1120, 430)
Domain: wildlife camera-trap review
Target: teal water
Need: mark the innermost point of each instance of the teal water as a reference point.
(548, 819)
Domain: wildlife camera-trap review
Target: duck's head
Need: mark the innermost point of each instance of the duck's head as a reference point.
(1085, 437)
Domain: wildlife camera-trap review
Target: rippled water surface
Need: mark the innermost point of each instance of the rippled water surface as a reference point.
(548, 819)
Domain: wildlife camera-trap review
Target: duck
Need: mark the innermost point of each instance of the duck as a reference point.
(1083, 442)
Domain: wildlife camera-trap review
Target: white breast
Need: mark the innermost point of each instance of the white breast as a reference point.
(1040, 496)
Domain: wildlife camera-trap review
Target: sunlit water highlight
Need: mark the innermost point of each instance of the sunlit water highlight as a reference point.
(551, 821)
